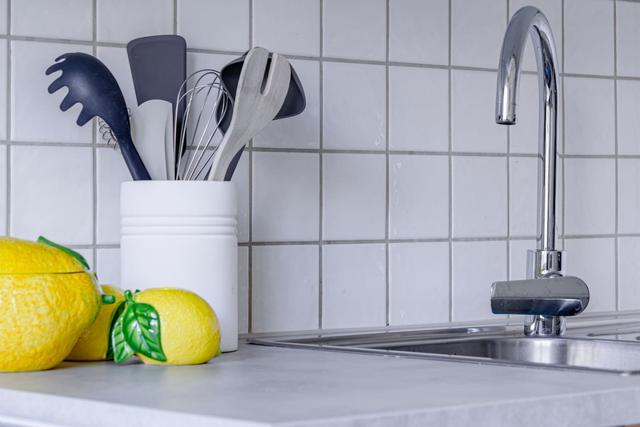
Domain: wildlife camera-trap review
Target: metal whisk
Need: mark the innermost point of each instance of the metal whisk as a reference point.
(205, 103)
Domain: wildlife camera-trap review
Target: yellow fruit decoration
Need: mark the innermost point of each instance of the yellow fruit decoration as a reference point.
(47, 300)
(94, 342)
(166, 326)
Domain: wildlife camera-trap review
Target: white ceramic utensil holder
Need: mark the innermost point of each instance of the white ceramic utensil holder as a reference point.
(182, 234)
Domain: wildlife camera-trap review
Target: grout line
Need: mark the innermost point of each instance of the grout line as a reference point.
(94, 157)
(564, 139)
(615, 138)
(508, 245)
(8, 126)
(418, 240)
(563, 132)
(320, 170)
(387, 178)
(175, 16)
(250, 231)
(450, 171)
(311, 57)
(101, 145)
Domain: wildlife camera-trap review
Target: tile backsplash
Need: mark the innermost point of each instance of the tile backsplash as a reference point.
(394, 199)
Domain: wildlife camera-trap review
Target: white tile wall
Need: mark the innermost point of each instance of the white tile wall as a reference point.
(418, 283)
(419, 31)
(589, 39)
(414, 183)
(349, 89)
(285, 288)
(394, 199)
(353, 282)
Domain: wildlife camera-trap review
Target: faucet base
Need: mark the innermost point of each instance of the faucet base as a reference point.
(544, 326)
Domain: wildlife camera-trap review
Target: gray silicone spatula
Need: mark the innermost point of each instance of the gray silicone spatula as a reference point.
(158, 68)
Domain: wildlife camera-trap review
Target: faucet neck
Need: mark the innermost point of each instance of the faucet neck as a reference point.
(529, 21)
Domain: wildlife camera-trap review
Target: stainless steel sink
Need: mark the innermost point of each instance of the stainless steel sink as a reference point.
(601, 355)
(491, 345)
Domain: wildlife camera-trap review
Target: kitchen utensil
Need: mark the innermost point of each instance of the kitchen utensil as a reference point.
(294, 103)
(91, 84)
(158, 68)
(258, 101)
(203, 94)
(152, 121)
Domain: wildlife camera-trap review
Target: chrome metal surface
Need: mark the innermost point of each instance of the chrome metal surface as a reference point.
(556, 296)
(498, 345)
(544, 263)
(603, 355)
(530, 21)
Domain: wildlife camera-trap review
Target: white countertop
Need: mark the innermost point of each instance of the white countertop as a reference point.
(276, 386)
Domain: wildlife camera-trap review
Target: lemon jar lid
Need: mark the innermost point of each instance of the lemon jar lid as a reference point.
(42, 257)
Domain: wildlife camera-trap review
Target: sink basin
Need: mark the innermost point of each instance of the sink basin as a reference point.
(490, 345)
(581, 353)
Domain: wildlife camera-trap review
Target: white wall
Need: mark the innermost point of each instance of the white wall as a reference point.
(395, 198)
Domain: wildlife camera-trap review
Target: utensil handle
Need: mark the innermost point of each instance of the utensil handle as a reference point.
(233, 165)
(132, 159)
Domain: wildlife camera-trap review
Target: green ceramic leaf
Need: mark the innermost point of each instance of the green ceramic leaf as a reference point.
(141, 326)
(121, 349)
(66, 250)
(117, 313)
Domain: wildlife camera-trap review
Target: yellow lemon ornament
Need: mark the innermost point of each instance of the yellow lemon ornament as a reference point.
(47, 300)
(166, 326)
(93, 344)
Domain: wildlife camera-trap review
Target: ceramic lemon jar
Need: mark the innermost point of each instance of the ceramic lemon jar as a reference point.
(47, 300)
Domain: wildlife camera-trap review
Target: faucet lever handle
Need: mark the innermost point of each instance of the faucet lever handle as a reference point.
(553, 296)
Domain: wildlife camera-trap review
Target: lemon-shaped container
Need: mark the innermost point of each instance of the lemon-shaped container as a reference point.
(47, 300)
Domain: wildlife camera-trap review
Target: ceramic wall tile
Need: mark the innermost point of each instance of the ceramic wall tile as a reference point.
(418, 109)
(354, 29)
(628, 113)
(350, 88)
(124, 20)
(287, 26)
(589, 196)
(593, 260)
(589, 41)
(418, 197)
(476, 265)
(628, 273)
(285, 288)
(629, 204)
(418, 283)
(353, 196)
(628, 34)
(477, 28)
(479, 196)
(285, 197)
(352, 274)
(51, 19)
(30, 101)
(231, 29)
(589, 116)
(419, 31)
(473, 95)
(45, 201)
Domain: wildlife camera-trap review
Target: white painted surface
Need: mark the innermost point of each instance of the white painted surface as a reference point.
(271, 386)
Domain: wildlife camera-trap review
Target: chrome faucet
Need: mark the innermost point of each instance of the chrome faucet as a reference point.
(546, 297)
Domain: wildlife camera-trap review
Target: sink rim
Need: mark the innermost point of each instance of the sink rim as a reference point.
(317, 342)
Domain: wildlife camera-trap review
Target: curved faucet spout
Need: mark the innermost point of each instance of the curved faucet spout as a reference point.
(531, 21)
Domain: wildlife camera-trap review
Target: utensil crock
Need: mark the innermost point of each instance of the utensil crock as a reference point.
(183, 234)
